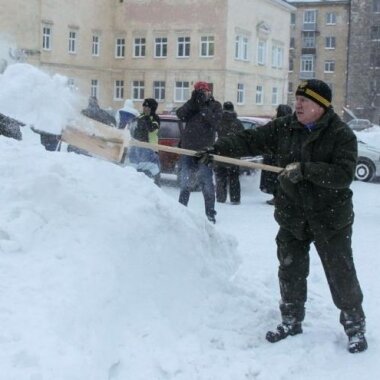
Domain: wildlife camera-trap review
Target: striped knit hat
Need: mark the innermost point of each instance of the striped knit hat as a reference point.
(316, 90)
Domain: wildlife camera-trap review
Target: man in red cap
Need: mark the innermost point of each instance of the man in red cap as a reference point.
(201, 113)
(313, 204)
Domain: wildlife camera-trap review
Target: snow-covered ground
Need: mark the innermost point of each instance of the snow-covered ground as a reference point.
(105, 276)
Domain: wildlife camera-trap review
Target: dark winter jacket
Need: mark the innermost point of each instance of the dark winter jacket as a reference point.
(146, 125)
(10, 127)
(230, 125)
(201, 122)
(322, 201)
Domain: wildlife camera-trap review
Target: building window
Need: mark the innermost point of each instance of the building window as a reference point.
(160, 47)
(374, 59)
(181, 91)
(292, 43)
(46, 38)
(277, 56)
(72, 41)
(138, 90)
(291, 64)
(330, 42)
(290, 87)
(307, 66)
(376, 6)
(120, 48)
(330, 18)
(293, 19)
(95, 45)
(183, 47)
(240, 93)
(375, 33)
(329, 66)
(94, 88)
(259, 94)
(207, 46)
(241, 48)
(139, 47)
(159, 90)
(310, 16)
(275, 96)
(308, 40)
(119, 90)
(261, 52)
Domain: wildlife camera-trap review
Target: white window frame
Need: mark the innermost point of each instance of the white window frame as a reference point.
(159, 90)
(183, 46)
(240, 94)
(118, 90)
(120, 47)
(181, 91)
(310, 16)
(259, 94)
(72, 42)
(261, 52)
(331, 18)
(277, 56)
(330, 43)
(46, 37)
(207, 46)
(241, 47)
(94, 90)
(139, 47)
(329, 66)
(307, 64)
(95, 47)
(275, 96)
(308, 39)
(160, 47)
(138, 90)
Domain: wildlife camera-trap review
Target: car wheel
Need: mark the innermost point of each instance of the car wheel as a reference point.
(365, 170)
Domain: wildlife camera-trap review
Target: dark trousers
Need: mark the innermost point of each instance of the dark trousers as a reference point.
(227, 178)
(190, 168)
(338, 265)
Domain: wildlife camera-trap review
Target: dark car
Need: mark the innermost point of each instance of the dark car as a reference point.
(169, 134)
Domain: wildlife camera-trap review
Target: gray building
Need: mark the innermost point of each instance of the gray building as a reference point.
(363, 79)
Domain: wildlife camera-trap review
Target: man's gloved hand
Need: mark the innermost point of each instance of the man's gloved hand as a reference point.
(293, 172)
(198, 97)
(205, 156)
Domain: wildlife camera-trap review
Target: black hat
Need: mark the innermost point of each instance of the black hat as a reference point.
(228, 106)
(151, 103)
(316, 90)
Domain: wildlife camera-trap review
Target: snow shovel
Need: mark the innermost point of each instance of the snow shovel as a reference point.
(111, 144)
(216, 158)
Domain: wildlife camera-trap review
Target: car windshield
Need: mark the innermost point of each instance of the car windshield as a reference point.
(169, 129)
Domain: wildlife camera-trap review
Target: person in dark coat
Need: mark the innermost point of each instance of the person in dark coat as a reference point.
(146, 129)
(313, 204)
(201, 113)
(268, 180)
(227, 177)
(93, 111)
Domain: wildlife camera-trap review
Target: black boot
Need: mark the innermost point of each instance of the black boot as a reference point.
(354, 326)
(283, 330)
(357, 343)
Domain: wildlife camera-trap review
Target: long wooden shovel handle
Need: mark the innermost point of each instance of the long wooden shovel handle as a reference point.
(221, 159)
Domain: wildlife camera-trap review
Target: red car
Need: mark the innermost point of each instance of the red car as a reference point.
(169, 134)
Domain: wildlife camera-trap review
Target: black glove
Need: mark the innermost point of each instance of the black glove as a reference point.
(293, 172)
(198, 97)
(205, 156)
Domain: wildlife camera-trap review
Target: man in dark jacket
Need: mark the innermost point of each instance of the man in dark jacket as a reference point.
(313, 204)
(230, 125)
(201, 113)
